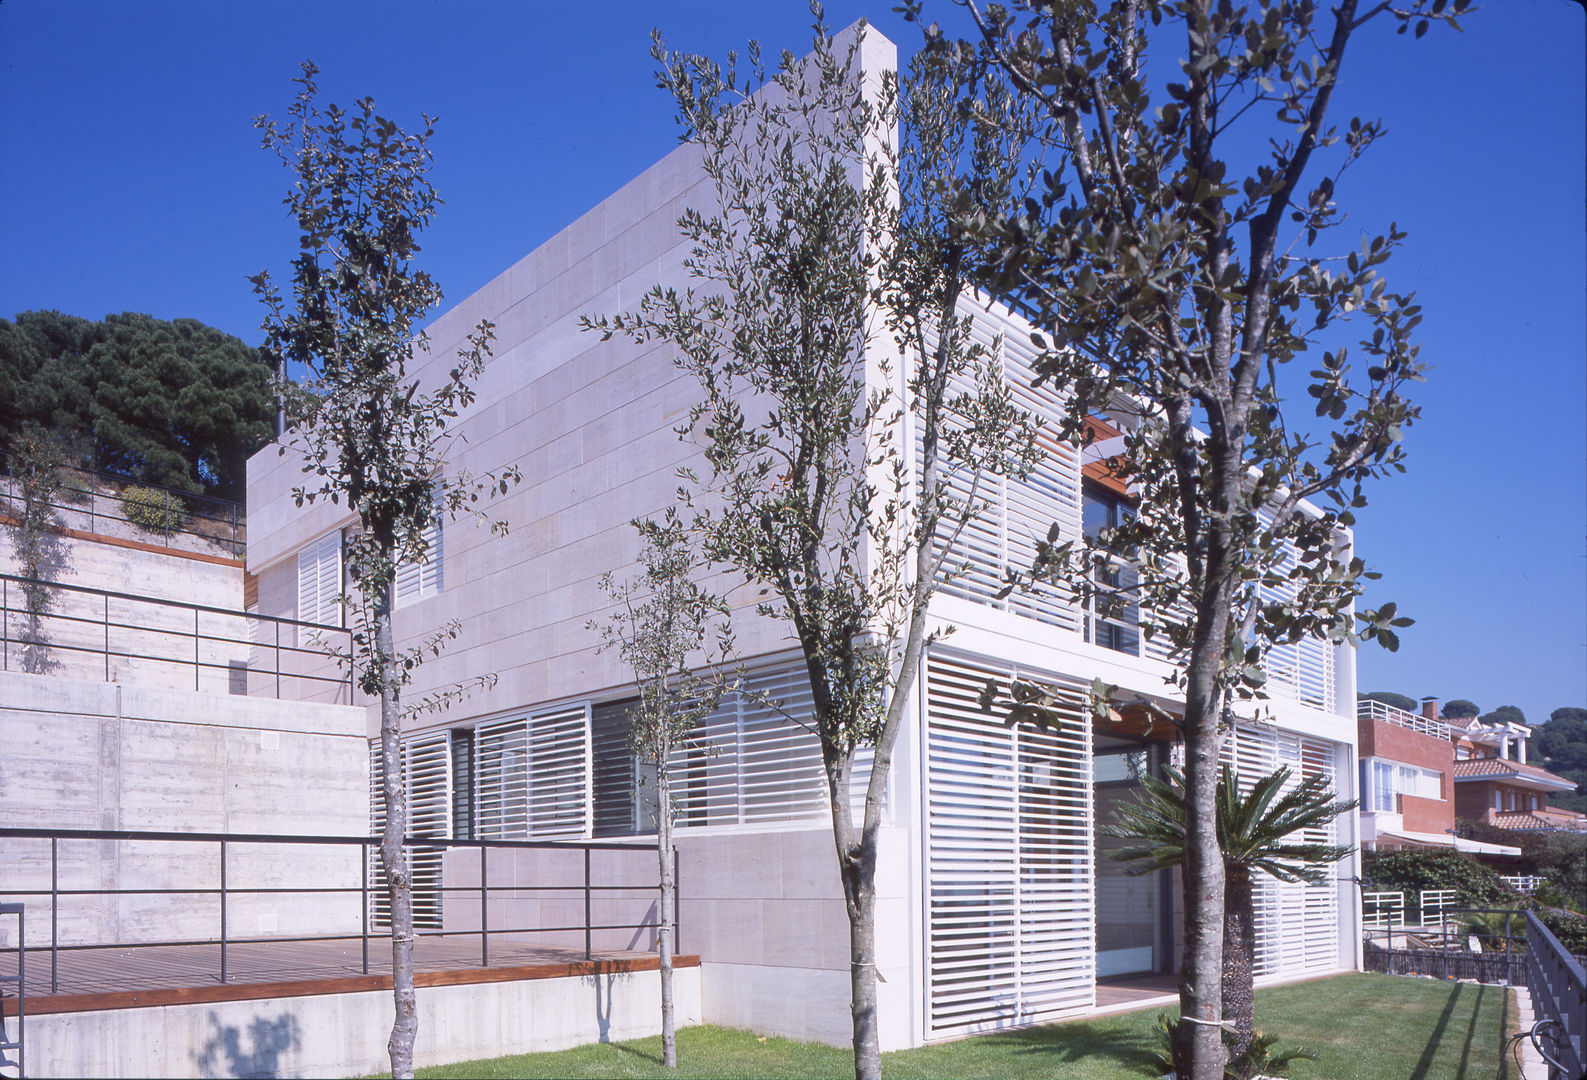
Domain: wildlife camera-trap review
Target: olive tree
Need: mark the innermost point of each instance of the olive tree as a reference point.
(830, 298)
(1179, 256)
(668, 630)
(370, 435)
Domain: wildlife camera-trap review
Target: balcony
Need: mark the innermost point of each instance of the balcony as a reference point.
(1377, 712)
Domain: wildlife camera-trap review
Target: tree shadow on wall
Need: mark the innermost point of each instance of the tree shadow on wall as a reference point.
(256, 1051)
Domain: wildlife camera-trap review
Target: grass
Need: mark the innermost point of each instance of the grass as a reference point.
(1362, 1027)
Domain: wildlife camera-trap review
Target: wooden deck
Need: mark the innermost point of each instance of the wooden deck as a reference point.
(1118, 995)
(140, 976)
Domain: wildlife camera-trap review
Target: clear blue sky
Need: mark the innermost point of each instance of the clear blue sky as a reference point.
(131, 179)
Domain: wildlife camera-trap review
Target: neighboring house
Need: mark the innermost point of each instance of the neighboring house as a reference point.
(995, 907)
(1495, 784)
(1408, 771)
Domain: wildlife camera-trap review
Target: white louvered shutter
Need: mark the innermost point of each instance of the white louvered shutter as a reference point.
(1297, 925)
(320, 581)
(1010, 926)
(533, 777)
(417, 580)
(427, 775)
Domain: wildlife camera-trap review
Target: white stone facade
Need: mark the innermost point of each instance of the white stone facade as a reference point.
(1005, 935)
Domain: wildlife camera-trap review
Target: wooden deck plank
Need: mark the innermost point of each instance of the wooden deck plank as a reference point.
(141, 976)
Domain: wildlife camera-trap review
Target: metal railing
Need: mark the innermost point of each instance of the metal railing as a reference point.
(88, 508)
(1558, 987)
(227, 895)
(1453, 949)
(98, 634)
(1378, 712)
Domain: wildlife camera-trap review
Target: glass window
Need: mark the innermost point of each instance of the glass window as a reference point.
(1383, 790)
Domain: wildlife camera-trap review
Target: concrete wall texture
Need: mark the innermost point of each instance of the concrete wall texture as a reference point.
(107, 756)
(345, 1034)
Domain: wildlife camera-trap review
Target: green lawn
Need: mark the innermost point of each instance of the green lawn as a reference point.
(1362, 1027)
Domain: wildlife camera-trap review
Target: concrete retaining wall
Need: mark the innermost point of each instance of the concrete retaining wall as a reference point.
(345, 1034)
(81, 755)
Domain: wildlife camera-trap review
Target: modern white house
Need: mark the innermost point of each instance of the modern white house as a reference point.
(997, 907)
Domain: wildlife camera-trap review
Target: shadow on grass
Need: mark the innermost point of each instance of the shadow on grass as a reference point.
(632, 1051)
(1430, 1051)
(1077, 1040)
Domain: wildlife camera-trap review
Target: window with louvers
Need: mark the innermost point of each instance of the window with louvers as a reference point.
(757, 759)
(1297, 925)
(623, 787)
(1012, 517)
(426, 769)
(1010, 933)
(417, 580)
(532, 776)
(320, 581)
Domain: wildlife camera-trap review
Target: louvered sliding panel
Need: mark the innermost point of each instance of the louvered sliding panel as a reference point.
(1011, 517)
(534, 777)
(426, 766)
(1048, 495)
(1010, 923)
(1297, 925)
(757, 759)
(1304, 670)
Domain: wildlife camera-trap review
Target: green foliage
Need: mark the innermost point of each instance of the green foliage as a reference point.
(174, 403)
(36, 461)
(1255, 831)
(1260, 1057)
(1504, 714)
(1562, 742)
(1459, 709)
(1390, 698)
(154, 510)
(1413, 869)
(1254, 825)
(665, 627)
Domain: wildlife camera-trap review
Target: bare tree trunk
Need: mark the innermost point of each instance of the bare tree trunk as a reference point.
(1239, 951)
(393, 860)
(1199, 1043)
(857, 870)
(665, 917)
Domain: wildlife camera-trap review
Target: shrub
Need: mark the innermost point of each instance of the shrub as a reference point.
(154, 510)
(1415, 869)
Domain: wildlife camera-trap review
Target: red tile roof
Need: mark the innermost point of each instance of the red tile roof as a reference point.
(1548, 817)
(1503, 769)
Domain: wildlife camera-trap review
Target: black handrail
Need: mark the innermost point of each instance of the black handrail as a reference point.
(223, 512)
(10, 583)
(1558, 985)
(366, 846)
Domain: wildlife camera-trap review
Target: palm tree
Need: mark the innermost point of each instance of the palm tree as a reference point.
(1254, 831)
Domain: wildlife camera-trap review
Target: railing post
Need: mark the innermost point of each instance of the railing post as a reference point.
(677, 905)
(195, 649)
(364, 890)
(484, 907)
(588, 951)
(223, 912)
(107, 639)
(55, 900)
(5, 624)
(1445, 949)
(277, 625)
